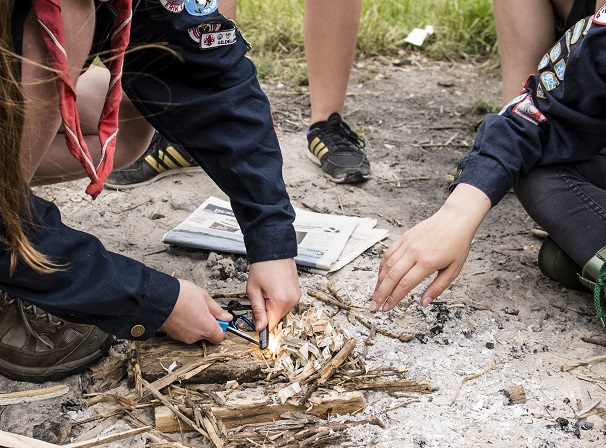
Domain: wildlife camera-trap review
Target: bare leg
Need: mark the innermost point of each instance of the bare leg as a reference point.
(228, 8)
(331, 33)
(133, 138)
(42, 116)
(525, 37)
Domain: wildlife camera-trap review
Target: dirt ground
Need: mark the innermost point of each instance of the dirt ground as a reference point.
(500, 324)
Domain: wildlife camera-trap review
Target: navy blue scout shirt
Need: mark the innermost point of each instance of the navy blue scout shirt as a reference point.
(208, 100)
(560, 117)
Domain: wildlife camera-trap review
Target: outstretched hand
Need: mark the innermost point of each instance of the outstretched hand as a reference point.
(273, 290)
(194, 316)
(439, 244)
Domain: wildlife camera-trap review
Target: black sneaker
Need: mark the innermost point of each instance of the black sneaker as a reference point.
(338, 150)
(161, 159)
(36, 346)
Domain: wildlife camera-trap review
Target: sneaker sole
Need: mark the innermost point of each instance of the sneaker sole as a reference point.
(171, 172)
(345, 180)
(54, 373)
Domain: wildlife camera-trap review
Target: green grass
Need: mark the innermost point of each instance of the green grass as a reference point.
(464, 29)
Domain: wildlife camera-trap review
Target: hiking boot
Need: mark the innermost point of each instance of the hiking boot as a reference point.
(36, 346)
(594, 278)
(160, 160)
(338, 150)
(558, 266)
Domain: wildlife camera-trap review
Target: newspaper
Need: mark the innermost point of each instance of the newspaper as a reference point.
(325, 242)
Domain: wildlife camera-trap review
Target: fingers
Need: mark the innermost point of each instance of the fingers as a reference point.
(191, 319)
(216, 310)
(273, 290)
(259, 309)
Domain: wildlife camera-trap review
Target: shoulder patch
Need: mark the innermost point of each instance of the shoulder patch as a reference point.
(544, 62)
(527, 110)
(175, 6)
(201, 7)
(577, 30)
(600, 17)
(560, 68)
(555, 52)
(549, 81)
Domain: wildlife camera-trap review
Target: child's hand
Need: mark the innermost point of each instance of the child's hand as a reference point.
(439, 244)
(273, 290)
(194, 316)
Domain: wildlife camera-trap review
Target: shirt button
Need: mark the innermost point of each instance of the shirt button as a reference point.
(137, 331)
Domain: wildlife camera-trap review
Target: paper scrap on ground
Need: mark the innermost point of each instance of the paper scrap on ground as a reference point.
(326, 242)
(417, 35)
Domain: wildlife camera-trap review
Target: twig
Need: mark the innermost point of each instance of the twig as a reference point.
(327, 299)
(156, 393)
(601, 342)
(568, 367)
(27, 396)
(472, 377)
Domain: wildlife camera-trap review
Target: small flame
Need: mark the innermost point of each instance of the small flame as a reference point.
(274, 343)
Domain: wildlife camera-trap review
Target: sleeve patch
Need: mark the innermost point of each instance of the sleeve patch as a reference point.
(600, 17)
(527, 110)
(549, 81)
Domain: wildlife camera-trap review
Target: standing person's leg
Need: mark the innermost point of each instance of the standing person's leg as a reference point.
(526, 31)
(331, 32)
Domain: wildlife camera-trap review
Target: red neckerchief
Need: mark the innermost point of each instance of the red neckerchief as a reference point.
(51, 27)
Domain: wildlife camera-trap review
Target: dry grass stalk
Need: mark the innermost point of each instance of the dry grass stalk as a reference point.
(333, 301)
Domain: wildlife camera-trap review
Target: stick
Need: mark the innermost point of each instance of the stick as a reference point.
(567, 367)
(601, 342)
(28, 396)
(472, 377)
(327, 299)
(9, 440)
(156, 393)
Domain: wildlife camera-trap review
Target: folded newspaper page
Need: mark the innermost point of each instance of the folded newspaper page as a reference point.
(326, 242)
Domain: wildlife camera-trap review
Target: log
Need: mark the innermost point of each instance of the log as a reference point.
(163, 351)
(259, 408)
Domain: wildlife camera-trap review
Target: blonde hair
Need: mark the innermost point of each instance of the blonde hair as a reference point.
(15, 208)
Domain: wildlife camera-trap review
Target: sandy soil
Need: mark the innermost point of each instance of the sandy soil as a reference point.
(500, 319)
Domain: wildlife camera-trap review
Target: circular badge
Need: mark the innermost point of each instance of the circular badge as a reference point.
(600, 17)
(175, 6)
(201, 7)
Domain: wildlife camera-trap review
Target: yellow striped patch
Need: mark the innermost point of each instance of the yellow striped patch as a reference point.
(177, 156)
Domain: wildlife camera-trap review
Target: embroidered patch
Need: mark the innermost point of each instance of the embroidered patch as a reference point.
(540, 92)
(568, 38)
(560, 68)
(195, 33)
(201, 7)
(175, 6)
(576, 32)
(555, 52)
(218, 39)
(526, 109)
(549, 80)
(517, 99)
(600, 17)
(588, 27)
(544, 62)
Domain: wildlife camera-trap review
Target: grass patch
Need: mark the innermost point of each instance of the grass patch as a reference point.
(464, 29)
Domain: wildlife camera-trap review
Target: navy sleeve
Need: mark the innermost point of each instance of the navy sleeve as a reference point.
(206, 98)
(560, 117)
(92, 285)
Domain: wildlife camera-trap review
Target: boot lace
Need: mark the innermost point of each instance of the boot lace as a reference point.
(34, 312)
(599, 299)
(343, 137)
